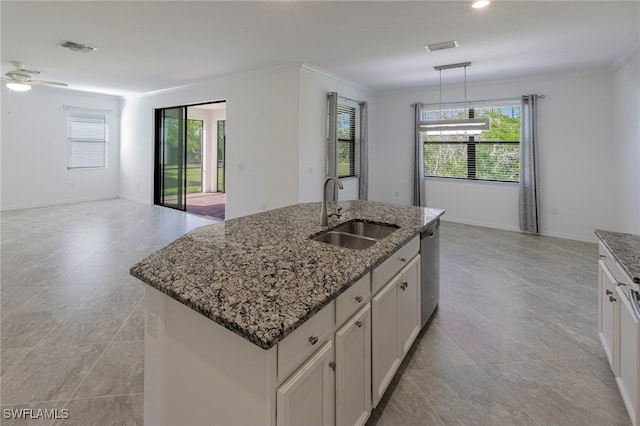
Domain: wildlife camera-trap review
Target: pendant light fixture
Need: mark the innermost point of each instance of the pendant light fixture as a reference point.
(455, 126)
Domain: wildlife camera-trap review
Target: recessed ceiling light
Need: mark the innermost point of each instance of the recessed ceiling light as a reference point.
(441, 46)
(479, 4)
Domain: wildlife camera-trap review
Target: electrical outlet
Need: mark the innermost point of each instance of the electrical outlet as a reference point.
(554, 211)
(397, 194)
(152, 323)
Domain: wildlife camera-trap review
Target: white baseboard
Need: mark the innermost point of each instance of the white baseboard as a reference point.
(136, 199)
(479, 223)
(502, 227)
(56, 203)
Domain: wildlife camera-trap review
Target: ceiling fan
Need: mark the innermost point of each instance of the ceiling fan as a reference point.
(20, 79)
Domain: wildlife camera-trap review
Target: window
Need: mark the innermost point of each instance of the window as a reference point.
(87, 139)
(490, 156)
(346, 141)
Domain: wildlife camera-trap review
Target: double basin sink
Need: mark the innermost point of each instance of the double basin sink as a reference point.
(356, 234)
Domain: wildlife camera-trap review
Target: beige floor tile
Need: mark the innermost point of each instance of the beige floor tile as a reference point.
(48, 373)
(466, 396)
(552, 397)
(118, 371)
(123, 410)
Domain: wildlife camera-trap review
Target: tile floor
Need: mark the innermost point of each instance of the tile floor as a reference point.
(513, 342)
(71, 316)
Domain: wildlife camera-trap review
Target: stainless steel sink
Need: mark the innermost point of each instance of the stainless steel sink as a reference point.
(342, 239)
(366, 229)
(356, 234)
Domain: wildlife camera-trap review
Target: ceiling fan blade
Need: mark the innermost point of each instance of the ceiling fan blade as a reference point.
(47, 83)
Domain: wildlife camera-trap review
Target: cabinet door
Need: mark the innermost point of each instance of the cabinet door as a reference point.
(353, 370)
(629, 352)
(385, 358)
(307, 397)
(409, 298)
(609, 327)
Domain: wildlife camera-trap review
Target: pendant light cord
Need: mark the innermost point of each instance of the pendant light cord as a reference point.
(440, 100)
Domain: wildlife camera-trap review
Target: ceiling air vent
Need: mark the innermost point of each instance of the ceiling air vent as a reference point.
(441, 46)
(77, 47)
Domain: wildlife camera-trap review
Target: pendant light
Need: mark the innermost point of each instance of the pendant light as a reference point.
(455, 126)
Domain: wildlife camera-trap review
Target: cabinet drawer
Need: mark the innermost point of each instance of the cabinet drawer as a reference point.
(398, 260)
(299, 345)
(352, 299)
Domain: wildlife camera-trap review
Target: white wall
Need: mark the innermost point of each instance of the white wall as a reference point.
(626, 141)
(575, 129)
(34, 149)
(314, 87)
(262, 138)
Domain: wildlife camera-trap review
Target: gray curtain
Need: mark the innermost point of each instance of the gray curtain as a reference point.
(332, 145)
(363, 176)
(529, 197)
(418, 163)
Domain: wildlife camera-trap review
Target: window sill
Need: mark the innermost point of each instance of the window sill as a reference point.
(484, 182)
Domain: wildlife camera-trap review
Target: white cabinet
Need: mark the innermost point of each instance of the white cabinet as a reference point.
(395, 314)
(629, 341)
(353, 369)
(608, 315)
(307, 397)
(385, 358)
(409, 298)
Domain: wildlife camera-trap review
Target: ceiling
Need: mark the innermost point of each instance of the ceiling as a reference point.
(147, 46)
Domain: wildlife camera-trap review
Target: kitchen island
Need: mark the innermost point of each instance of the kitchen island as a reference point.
(619, 312)
(240, 314)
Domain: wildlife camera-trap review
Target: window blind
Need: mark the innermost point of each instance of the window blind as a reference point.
(346, 140)
(491, 156)
(86, 138)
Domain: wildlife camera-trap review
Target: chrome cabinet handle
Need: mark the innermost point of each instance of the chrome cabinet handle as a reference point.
(359, 323)
(313, 340)
(602, 256)
(358, 299)
(612, 299)
(609, 292)
(404, 285)
(403, 259)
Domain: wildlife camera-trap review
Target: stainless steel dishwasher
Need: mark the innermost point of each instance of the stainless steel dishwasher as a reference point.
(430, 271)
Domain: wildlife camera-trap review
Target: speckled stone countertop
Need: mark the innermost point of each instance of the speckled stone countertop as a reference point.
(261, 276)
(625, 249)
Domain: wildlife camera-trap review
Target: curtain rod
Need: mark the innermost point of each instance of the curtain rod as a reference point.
(344, 98)
(470, 102)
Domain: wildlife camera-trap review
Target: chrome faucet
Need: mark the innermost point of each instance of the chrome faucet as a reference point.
(323, 214)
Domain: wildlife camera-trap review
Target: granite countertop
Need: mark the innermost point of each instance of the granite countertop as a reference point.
(261, 276)
(625, 249)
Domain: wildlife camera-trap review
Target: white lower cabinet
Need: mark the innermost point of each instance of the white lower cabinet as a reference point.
(395, 313)
(385, 358)
(629, 378)
(353, 369)
(409, 298)
(608, 307)
(307, 397)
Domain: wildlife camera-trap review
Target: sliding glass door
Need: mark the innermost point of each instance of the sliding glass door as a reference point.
(221, 153)
(170, 168)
